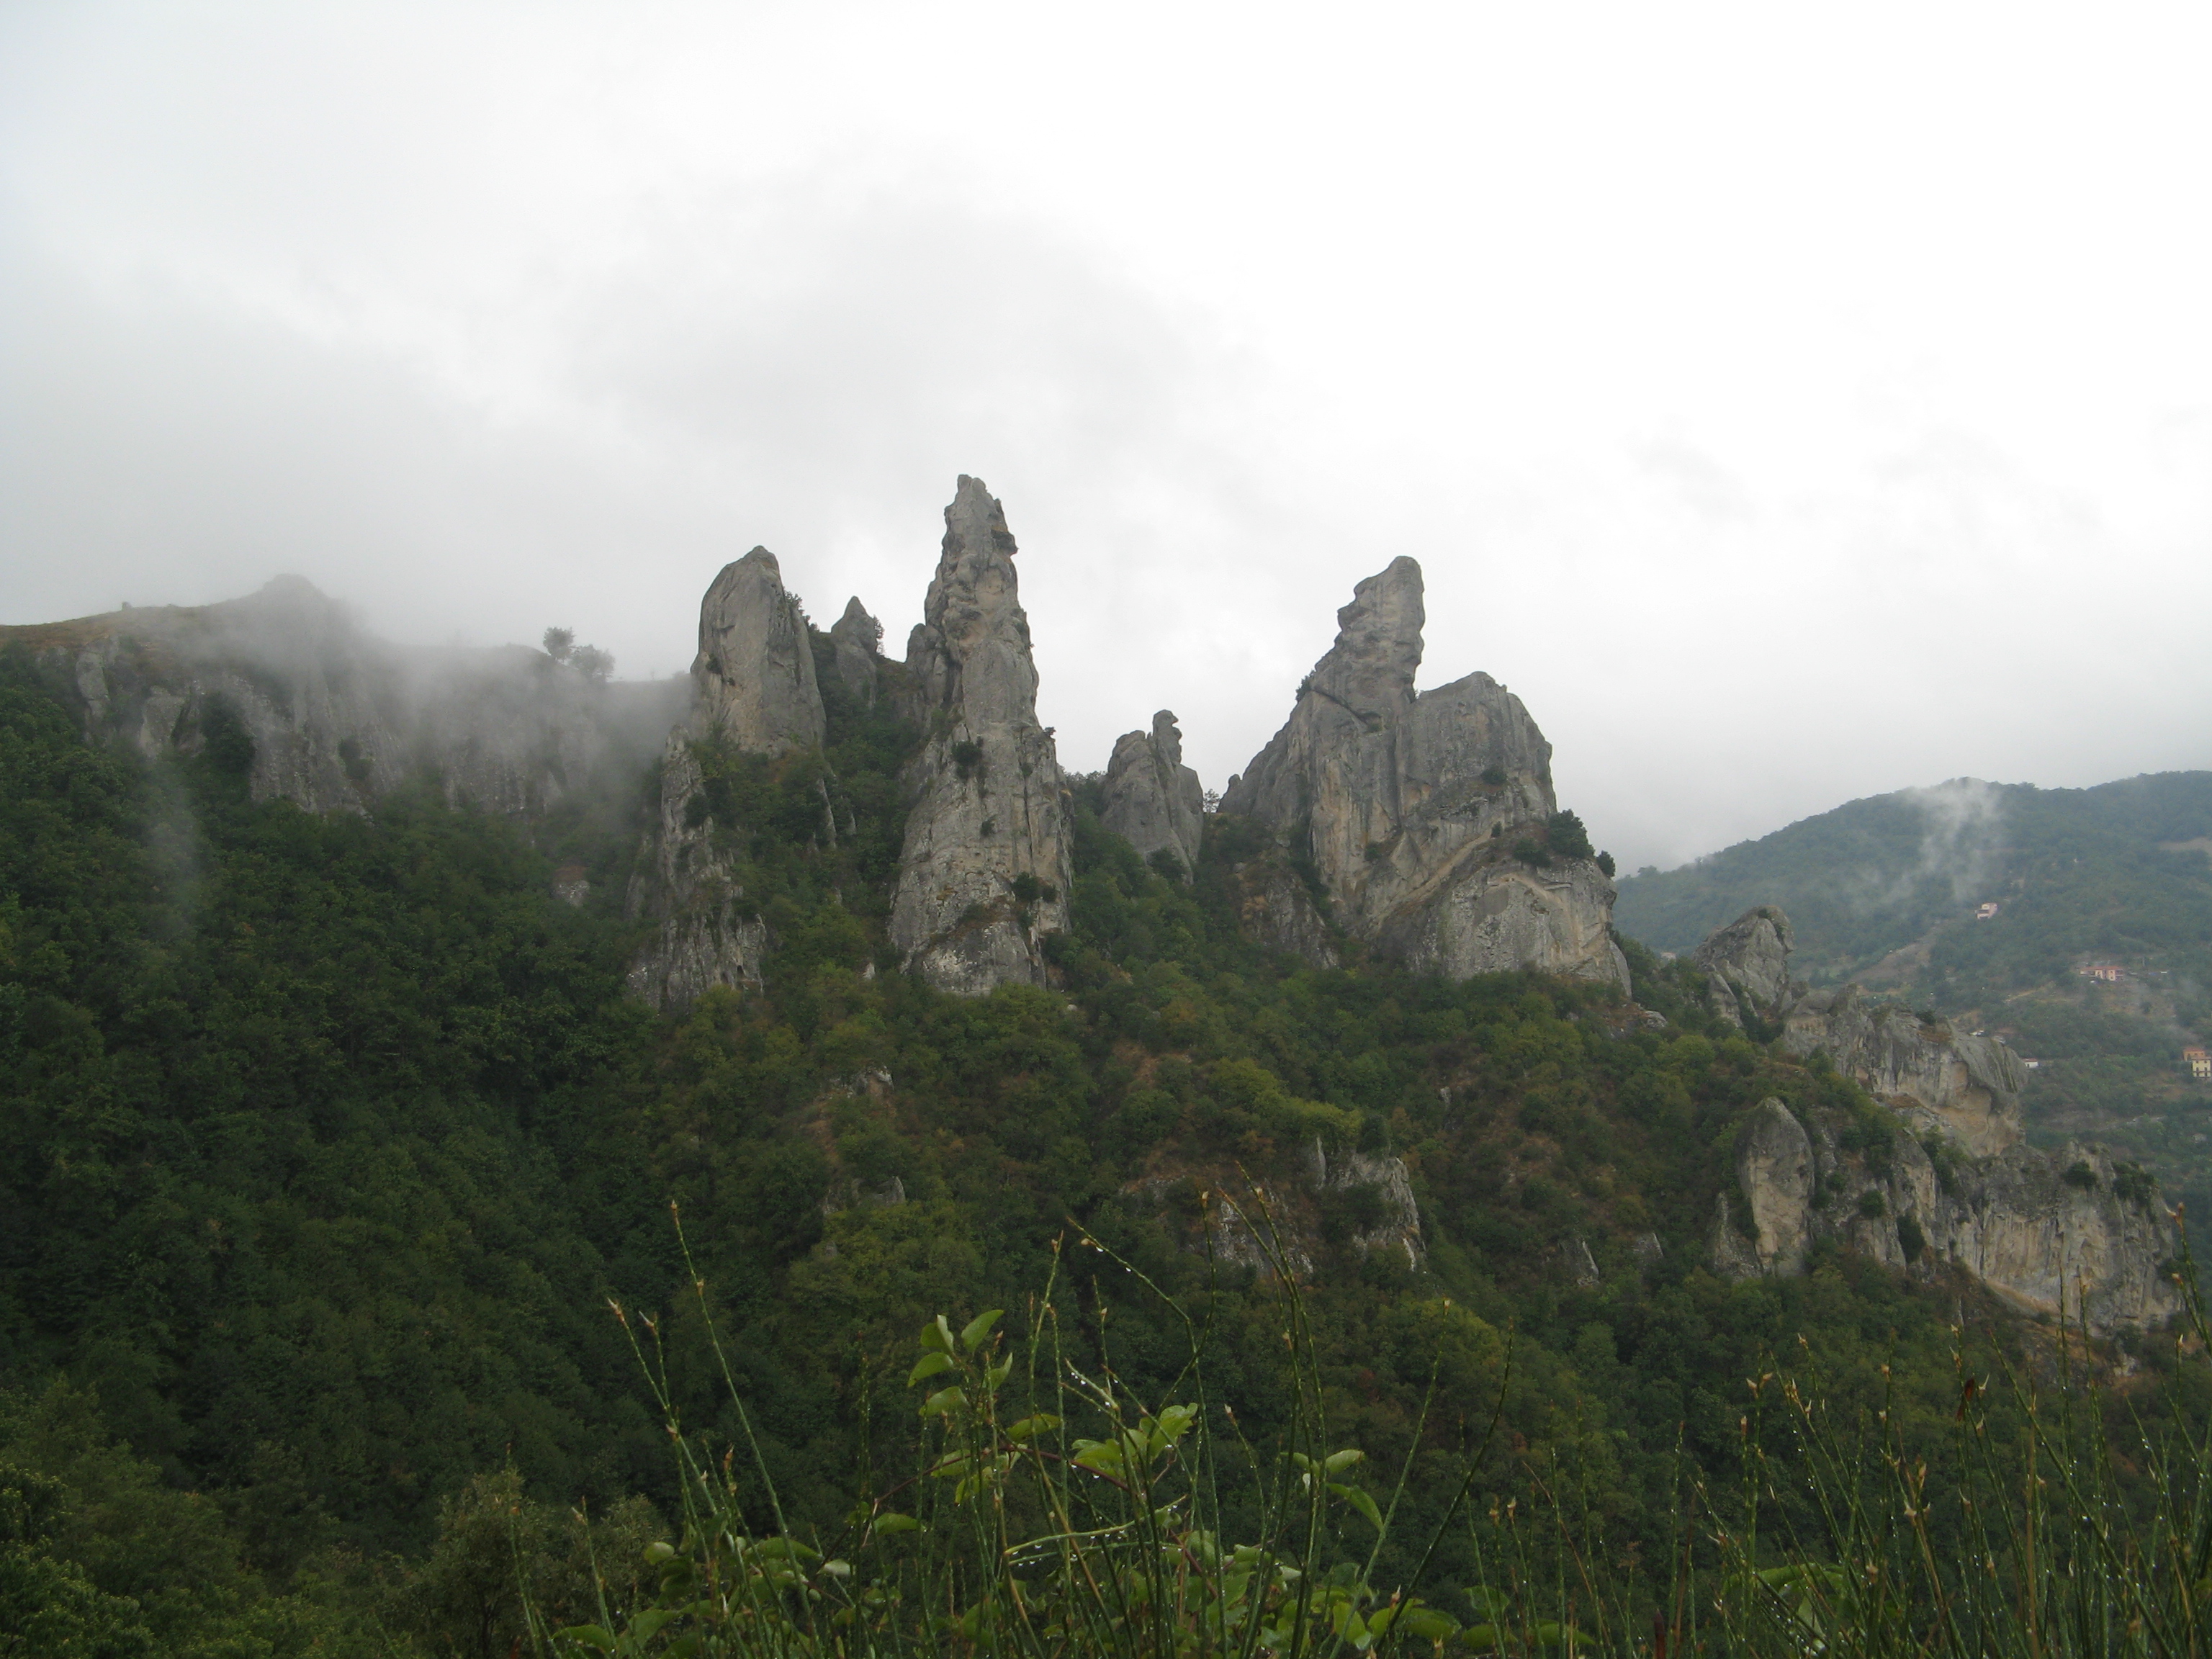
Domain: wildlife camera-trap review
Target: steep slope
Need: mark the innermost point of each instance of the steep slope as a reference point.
(335, 718)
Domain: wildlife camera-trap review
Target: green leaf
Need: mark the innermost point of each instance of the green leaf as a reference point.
(928, 1365)
(1029, 1426)
(1428, 1624)
(656, 1554)
(892, 1521)
(590, 1635)
(1360, 1501)
(978, 1328)
(1340, 1461)
(937, 1334)
(996, 1377)
(944, 1401)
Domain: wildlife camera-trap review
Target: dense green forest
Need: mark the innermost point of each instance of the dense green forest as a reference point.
(351, 1216)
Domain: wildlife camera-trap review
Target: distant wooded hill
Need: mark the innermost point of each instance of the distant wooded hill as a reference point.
(2106, 871)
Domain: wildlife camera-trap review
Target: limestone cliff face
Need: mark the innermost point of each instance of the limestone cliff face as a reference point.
(1775, 1175)
(1410, 805)
(1967, 1087)
(336, 717)
(858, 639)
(1276, 912)
(707, 934)
(1153, 800)
(756, 695)
(984, 868)
(2040, 1229)
(2071, 1235)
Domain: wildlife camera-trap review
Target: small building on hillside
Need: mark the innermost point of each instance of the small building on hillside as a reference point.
(1986, 911)
(2108, 973)
(2199, 1062)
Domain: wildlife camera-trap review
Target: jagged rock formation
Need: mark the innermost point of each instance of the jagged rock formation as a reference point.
(2039, 1230)
(756, 695)
(1749, 960)
(1411, 805)
(1966, 1087)
(335, 718)
(984, 869)
(2073, 1234)
(755, 670)
(1153, 800)
(858, 638)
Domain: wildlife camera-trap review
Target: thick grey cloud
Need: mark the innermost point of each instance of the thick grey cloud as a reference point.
(1786, 416)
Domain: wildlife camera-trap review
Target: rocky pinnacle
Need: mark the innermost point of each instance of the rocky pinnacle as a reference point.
(984, 869)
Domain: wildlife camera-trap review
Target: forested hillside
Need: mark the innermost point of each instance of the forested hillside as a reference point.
(1886, 890)
(333, 1146)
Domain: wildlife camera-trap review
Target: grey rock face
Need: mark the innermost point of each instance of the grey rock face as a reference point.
(859, 639)
(1409, 805)
(755, 670)
(756, 695)
(1153, 800)
(2091, 1247)
(1397, 1224)
(1277, 912)
(337, 718)
(1966, 1087)
(984, 868)
(1749, 958)
(709, 935)
(1775, 1174)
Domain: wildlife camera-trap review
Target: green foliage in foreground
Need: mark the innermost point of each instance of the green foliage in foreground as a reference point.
(325, 1143)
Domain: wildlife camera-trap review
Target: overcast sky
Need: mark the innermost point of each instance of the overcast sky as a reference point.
(1789, 403)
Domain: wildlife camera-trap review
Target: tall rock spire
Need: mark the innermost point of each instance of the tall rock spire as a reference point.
(756, 694)
(984, 871)
(1412, 807)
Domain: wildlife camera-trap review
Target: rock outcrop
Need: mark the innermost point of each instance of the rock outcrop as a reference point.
(858, 639)
(1966, 1087)
(1776, 1178)
(983, 870)
(2068, 1232)
(318, 713)
(755, 670)
(1153, 800)
(1412, 806)
(2073, 1235)
(1277, 912)
(756, 695)
(1749, 962)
